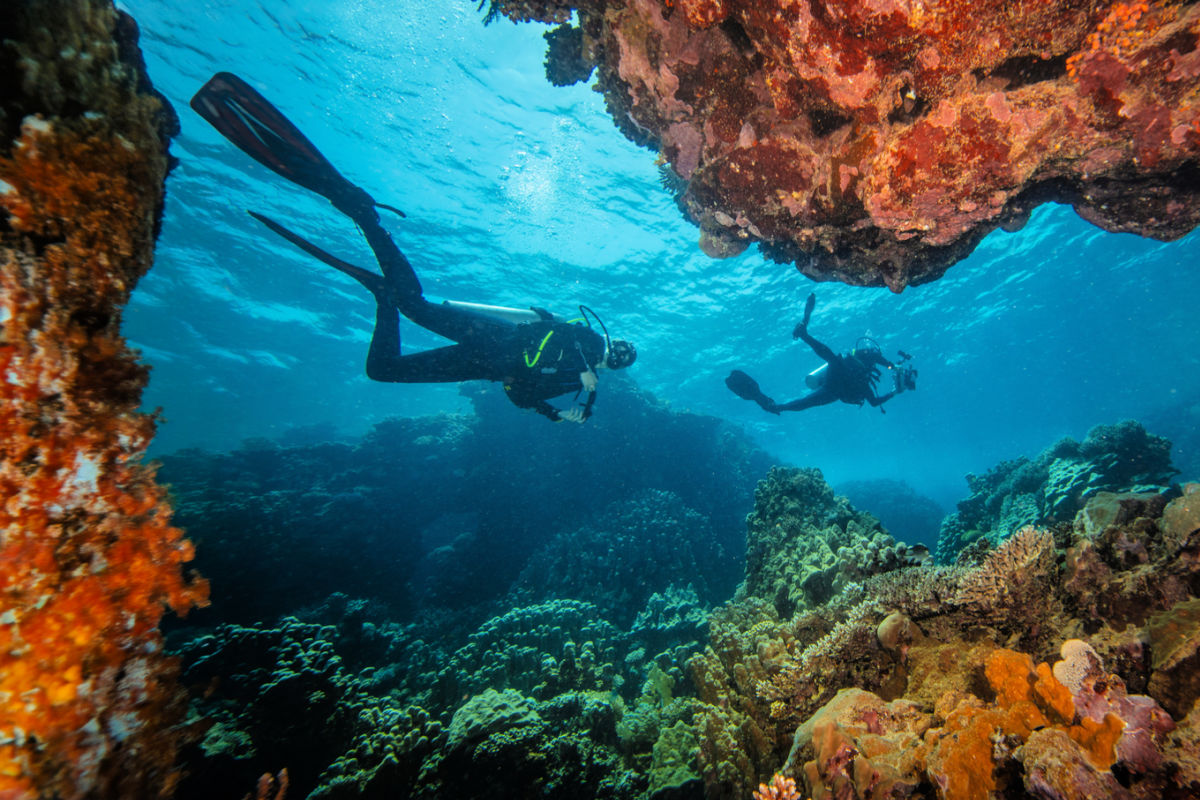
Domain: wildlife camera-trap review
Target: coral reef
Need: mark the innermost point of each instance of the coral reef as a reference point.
(357, 706)
(610, 559)
(89, 559)
(878, 143)
(446, 529)
(1054, 486)
(924, 681)
(804, 544)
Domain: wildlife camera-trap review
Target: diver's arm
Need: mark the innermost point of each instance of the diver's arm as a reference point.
(876, 401)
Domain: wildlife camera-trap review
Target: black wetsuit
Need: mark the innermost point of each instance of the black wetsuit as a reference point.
(534, 361)
(849, 378)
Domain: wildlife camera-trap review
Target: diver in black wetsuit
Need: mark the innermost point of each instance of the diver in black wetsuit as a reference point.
(535, 359)
(850, 378)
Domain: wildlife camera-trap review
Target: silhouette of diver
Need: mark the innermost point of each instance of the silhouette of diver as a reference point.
(533, 353)
(850, 378)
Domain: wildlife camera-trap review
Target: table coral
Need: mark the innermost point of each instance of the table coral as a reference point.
(89, 559)
(878, 143)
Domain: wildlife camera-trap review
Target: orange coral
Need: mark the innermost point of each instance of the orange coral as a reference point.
(780, 788)
(1118, 33)
(88, 557)
(1027, 698)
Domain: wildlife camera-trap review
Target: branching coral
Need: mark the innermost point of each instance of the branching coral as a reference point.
(88, 557)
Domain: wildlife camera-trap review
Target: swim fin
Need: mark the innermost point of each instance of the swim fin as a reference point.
(375, 284)
(261, 131)
(809, 305)
(747, 388)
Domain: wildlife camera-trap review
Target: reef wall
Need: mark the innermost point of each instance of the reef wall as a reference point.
(88, 557)
(877, 143)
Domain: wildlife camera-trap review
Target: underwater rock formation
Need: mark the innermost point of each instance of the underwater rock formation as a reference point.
(447, 524)
(1044, 671)
(804, 544)
(1054, 486)
(636, 547)
(878, 143)
(89, 559)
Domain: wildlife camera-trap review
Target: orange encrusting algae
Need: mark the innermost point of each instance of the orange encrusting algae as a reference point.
(88, 557)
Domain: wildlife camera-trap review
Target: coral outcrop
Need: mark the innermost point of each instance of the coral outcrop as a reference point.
(1055, 485)
(609, 559)
(1059, 664)
(89, 559)
(878, 143)
(804, 544)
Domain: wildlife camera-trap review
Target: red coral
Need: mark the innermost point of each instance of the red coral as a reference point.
(973, 112)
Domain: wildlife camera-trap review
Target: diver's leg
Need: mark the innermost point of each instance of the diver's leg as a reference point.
(822, 350)
(819, 397)
(450, 364)
(404, 290)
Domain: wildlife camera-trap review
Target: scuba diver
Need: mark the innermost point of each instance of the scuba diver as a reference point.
(535, 355)
(850, 378)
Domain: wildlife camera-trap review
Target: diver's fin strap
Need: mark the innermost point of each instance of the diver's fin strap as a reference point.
(376, 284)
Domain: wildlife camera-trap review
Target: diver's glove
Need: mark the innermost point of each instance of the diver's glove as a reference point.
(572, 415)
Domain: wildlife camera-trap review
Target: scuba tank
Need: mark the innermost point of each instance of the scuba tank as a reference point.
(816, 378)
(514, 316)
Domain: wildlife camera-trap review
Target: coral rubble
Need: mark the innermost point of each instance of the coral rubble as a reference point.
(89, 559)
(878, 143)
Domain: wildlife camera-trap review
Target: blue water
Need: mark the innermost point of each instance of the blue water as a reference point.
(520, 193)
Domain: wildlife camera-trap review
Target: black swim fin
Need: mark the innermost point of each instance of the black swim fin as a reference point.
(809, 305)
(375, 284)
(261, 131)
(747, 388)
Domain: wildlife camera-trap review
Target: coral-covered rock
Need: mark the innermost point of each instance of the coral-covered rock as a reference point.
(1055, 769)
(858, 740)
(1055, 486)
(89, 559)
(1181, 518)
(1175, 645)
(878, 143)
(804, 543)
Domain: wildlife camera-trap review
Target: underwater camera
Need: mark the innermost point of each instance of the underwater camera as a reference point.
(905, 377)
